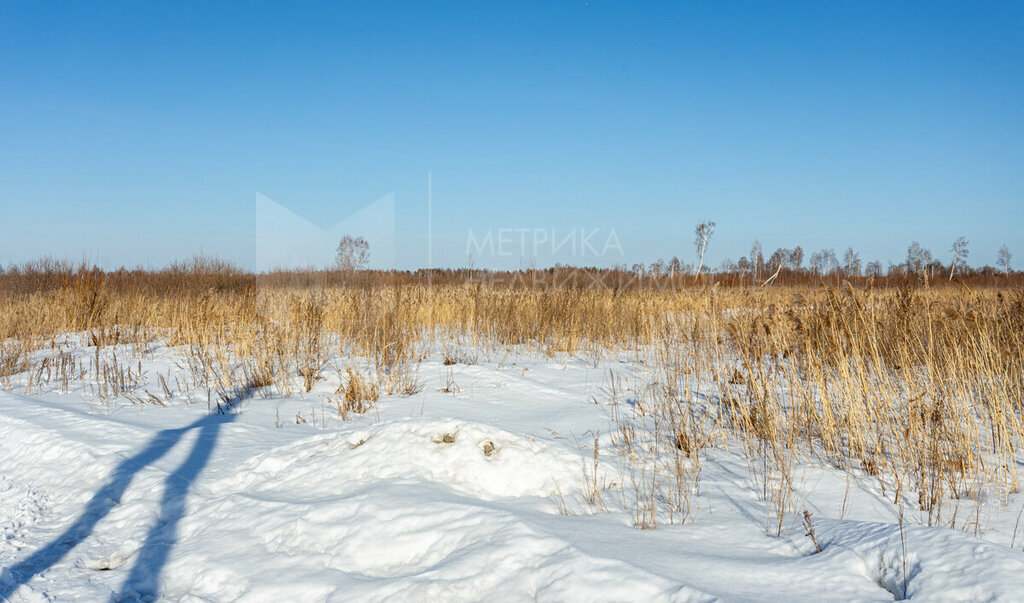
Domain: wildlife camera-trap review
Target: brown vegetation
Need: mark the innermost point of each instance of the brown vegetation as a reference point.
(918, 386)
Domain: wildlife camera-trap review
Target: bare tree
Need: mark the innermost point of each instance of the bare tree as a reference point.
(960, 252)
(797, 257)
(703, 232)
(824, 261)
(756, 258)
(353, 253)
(780, 257)
(817, 262)
(874, 269)
(1003, 259)
(674, 266)
(831, 261)
(744, 266)
(917, 257)
(851, 262)
(787, 258)
(657, 268)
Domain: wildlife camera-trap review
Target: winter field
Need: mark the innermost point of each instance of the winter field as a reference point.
(202, 438)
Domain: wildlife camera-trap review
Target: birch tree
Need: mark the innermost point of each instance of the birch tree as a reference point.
(960, 252)
(703, 232)
(1003, 259)
(353, 253)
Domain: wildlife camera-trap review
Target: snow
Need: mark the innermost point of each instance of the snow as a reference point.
(481, 492)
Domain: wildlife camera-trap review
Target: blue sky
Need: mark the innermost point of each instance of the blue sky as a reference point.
(137, 133)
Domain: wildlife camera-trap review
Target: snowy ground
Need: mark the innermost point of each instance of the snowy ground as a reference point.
(472, 494)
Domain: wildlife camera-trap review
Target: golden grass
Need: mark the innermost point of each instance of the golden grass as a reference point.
(920, 388)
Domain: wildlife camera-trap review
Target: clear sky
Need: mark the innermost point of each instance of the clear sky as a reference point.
(140, 132)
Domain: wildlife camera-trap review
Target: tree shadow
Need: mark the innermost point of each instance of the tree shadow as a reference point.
(144, 578)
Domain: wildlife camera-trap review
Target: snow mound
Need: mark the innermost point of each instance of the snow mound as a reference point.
(473, 459)
(926, 562)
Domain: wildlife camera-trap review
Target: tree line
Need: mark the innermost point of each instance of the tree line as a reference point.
(919, 262)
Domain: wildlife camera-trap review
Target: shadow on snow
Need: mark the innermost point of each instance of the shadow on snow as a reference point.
(144, 580)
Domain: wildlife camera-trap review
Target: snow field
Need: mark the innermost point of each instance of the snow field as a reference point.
(480, 493)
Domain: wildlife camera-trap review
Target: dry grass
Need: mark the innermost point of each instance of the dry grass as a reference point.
(920, 388)
(358, 395)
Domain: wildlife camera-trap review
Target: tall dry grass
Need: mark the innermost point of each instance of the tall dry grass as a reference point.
(919, 388)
